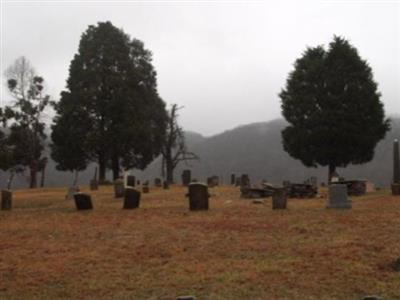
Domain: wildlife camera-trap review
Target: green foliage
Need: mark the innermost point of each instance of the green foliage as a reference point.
(117, 116)
(333, 107)
(26, 127)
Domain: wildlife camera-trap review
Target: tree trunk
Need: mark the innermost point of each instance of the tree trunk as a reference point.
(43, 176)
(74, 183)
(332, 169)
(9, 183)
(115, 167)
(170, 171)
(33, 175)
(102, 168)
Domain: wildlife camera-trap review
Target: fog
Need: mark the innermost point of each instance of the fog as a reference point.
(225, 62)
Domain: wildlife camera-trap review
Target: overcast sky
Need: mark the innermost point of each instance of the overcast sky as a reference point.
(225, 62)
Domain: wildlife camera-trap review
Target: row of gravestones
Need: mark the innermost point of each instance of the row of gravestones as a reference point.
(198, 197)
(338, 195)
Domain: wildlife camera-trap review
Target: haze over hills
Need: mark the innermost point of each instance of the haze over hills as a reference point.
(254, 149)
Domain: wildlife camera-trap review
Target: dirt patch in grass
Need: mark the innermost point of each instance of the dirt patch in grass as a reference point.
(236, 250)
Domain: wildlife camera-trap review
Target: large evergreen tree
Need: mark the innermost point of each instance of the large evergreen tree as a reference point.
(112, 92)
(333, 108)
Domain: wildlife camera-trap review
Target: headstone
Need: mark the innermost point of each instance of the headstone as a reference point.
(71, 191)
(355, 187)
(131, 198)
(145, 189)
(198, 196)
(233, 179)
(131, 180)
(186, 177)
(338, 196)
(279, 198)
(244, 180)
(6, 199)
(213, 181)
(94, 185)
(335, 177)
(157, 182)
(119, 188)
(83, 201)
(396, 169)
(165, 185)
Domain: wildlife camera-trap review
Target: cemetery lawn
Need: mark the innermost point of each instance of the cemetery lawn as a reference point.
(236, 250)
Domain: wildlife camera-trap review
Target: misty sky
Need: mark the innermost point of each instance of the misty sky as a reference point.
(225, 62)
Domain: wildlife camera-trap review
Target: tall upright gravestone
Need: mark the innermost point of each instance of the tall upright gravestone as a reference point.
(198, 196)
(186, 177)
(279, 198)
(131, 198)
(6, 200)
(396, 168)
(337, 197)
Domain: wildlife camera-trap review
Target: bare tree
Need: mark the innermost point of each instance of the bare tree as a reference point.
(26, 115)
(174, 149)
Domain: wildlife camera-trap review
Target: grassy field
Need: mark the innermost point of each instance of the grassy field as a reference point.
(236, 250)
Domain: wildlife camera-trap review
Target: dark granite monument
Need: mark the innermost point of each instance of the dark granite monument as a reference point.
(198, 196)
(83, 201)
(131, 198)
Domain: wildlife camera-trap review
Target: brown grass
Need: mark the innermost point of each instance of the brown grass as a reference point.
(236, 250)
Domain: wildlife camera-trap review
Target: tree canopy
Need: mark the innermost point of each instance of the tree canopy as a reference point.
(333, 107)
(111, 111)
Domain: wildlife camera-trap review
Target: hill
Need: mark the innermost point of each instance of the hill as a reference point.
(255, 149)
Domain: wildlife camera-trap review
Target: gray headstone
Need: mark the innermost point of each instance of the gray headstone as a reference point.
(198, 196)
(83, 201)
(6, 199)
(119, 188)
(279, 198)
(131, 198)
(338, 196)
